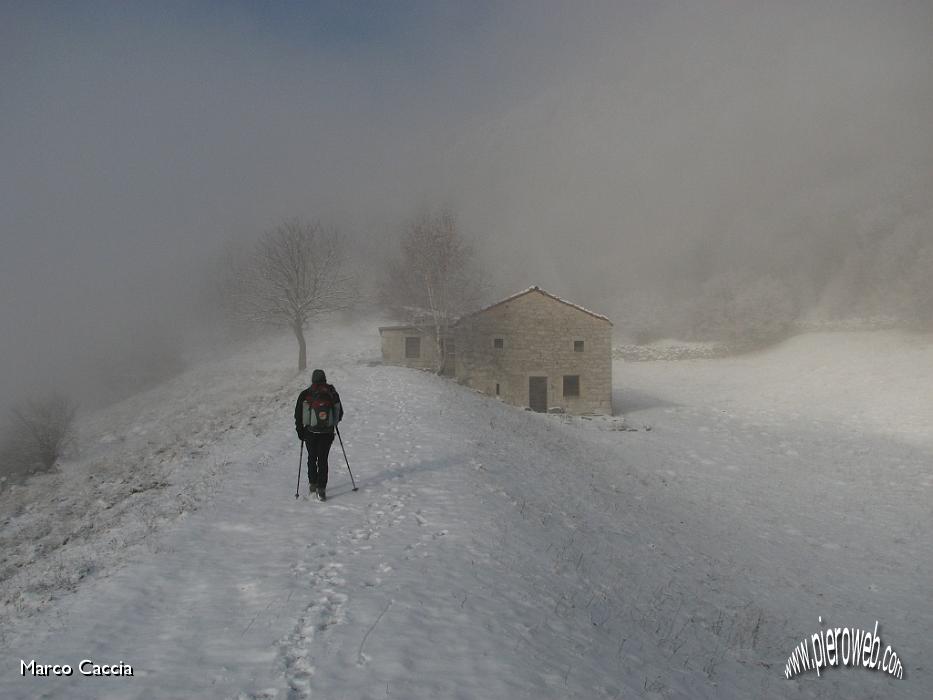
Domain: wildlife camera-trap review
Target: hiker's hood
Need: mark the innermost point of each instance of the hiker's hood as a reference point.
(318, 377)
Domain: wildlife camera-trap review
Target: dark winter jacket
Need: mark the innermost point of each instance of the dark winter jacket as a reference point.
(304, 433)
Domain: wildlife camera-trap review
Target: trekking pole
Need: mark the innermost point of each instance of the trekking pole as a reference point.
(301, 455)
(355, 487)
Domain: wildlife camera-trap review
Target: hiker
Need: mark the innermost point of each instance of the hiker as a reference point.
(317, 412)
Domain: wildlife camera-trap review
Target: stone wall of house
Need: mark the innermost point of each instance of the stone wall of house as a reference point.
(393, 348)
(538, 334)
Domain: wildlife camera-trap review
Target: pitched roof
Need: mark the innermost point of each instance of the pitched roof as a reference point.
(536, 288)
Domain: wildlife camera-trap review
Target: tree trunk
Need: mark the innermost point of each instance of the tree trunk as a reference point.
(438, 349)
(302, 347)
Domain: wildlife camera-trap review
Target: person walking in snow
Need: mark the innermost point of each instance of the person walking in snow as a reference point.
(317, 412)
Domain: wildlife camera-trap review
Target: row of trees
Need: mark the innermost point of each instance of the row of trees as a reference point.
(888, 272)
(295, 272)
(740, 310)
(299, 270)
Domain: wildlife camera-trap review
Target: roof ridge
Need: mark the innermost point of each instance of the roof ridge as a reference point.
(536, 288)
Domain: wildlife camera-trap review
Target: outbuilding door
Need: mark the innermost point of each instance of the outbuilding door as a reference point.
(449, 350)
(537, 394)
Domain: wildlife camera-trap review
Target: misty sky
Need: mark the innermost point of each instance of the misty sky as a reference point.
(587, 146)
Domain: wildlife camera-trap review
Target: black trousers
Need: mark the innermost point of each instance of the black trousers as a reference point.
(318, 445)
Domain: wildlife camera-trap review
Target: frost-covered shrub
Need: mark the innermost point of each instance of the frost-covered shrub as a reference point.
(36, 434)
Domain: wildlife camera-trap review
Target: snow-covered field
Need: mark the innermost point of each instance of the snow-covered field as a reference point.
(490, 552)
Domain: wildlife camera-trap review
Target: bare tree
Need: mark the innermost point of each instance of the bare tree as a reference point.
(38, 432)
(436, 278)
(294, 273)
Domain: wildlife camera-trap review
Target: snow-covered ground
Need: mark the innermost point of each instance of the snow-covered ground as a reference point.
(490, 552)
(873, 382)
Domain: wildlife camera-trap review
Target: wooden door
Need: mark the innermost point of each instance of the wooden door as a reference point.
(449, 349)
(537, 394)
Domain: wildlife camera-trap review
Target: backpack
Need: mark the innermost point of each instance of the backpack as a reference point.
(319, 412)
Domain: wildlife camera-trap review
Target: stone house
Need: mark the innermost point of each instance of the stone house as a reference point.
(531, 349)
(537, 350)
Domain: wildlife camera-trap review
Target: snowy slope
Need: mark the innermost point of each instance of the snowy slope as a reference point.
(872, 381)
(489, 553)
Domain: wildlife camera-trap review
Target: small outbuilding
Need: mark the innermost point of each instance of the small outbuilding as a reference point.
(408, 346)
(532, 349)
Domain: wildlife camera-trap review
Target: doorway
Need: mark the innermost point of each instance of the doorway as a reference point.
(537, 394)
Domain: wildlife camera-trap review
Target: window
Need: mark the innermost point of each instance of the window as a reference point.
(571, 385)
(498, 343)
(412, 347)
(578, 346)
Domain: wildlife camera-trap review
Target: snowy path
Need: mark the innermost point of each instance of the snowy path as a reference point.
(402, 587)
(493, 553)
